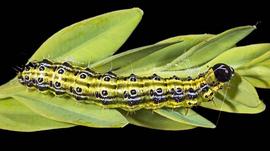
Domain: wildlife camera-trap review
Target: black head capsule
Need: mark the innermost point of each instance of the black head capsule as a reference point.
(223, 72)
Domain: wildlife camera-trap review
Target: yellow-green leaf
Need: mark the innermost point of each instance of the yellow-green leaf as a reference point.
(182, 116)
(92, 39)
(209, 49)
(70, 111)
(165, 55)
(240, 56)
(185, 37)
(264, 59)
(223, 104)
(10, 88)
(149, 119)
(15, 116)
(240, 90)
(258, 75)
(122, 59)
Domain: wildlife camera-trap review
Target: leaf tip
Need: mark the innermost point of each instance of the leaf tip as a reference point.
(212, 125)
(137, 9)
(248, 28)
(252, 27)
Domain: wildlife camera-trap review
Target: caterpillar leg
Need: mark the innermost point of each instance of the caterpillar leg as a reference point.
(186, 110)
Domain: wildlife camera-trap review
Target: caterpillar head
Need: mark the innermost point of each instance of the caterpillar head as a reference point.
(223, 72)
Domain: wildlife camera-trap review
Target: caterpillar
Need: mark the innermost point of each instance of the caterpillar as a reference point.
(129, 93)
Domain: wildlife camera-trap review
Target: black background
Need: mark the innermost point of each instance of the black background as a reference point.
(25, 26)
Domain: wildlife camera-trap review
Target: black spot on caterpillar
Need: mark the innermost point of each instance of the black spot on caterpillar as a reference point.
(129, 93)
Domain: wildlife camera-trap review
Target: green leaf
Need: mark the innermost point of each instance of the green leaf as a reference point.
(209, 49)
(151, 53)
(149, 119)
(185, 37)
(226, 105)
(91, 40)
(68, 110)
(240, 56)
(252, 55)
(258, 76)
(239, 97)
(191, 118)
(163, 56)
(117, 61)
(15, 116)
(10, 88)
(257, 71)
(240, 90)
(192, 72)
(261, 60)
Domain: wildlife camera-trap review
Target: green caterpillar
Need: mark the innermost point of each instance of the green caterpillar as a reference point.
(129, 93)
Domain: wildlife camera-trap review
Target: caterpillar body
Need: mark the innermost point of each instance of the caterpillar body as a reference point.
(128, 93)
